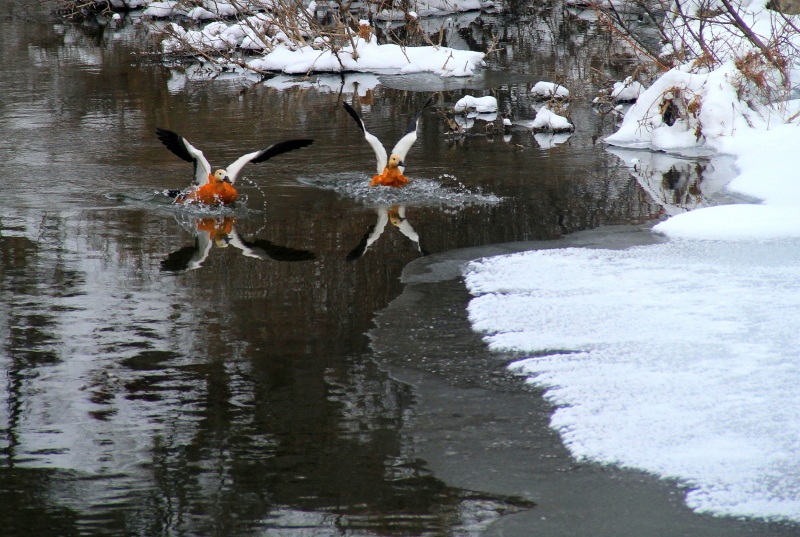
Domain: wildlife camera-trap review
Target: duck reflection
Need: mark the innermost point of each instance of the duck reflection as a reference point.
(221, 232)
(396, 214)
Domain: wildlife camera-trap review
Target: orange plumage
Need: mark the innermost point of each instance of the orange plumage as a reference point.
(389, 177)
(215, 192)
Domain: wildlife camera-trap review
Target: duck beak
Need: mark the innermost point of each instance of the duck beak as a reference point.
(227, 180)
(401, 163)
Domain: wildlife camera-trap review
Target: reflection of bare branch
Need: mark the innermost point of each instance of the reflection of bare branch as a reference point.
(626, 36)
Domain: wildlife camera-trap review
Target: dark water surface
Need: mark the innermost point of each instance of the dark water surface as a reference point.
(156, 388)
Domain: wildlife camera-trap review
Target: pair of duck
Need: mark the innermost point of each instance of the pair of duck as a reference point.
(217, 188)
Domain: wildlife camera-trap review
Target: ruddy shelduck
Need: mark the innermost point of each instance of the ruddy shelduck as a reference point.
(390, 170)
(217, 188)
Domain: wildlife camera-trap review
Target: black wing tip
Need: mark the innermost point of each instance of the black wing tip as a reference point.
(303, 142)
(163, 134)
(289, 145)
(354, 115)
(413, 125)
(280, 148)
(174, 142)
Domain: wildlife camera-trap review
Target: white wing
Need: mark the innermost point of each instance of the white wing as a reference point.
(265, 154)
(377, 146)
(183, 149)
(380, 151)
(234, 168)
(402, 147)
(405, 143)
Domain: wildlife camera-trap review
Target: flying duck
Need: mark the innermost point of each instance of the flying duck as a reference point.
(216, 188)
(390, 170)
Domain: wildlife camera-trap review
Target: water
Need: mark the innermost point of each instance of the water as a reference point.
(163, 378)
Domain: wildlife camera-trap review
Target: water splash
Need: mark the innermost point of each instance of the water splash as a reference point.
(161, 199)
(447, 191)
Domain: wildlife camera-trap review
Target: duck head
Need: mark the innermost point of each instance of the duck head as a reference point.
(219, 176)
(395, 162)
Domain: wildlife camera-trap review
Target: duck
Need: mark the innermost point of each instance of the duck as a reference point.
(216, 188)
(391, 168)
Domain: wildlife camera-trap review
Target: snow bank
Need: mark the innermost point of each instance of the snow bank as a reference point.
(289, 55)
(369, 56)
(768, 161)
(685, 111)
(680, 359)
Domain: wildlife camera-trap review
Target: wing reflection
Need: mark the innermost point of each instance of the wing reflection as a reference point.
(396, 214)
(221, 231)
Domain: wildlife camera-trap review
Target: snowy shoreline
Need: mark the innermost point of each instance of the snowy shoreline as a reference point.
(680, 359)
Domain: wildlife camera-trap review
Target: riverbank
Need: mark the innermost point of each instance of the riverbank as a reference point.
(479, 427)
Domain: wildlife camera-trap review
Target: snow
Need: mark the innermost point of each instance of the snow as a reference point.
(547, 120)
(481, 105)
(549, 90)
(627, 90)
(762, 144)
(160, 10)
(680, 359)
(286, 54)
(431, 8)
(369, 56)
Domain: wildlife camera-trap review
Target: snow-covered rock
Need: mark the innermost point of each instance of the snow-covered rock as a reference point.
(627, 90)
(478, 104)
(549, 90)
(547, 120)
